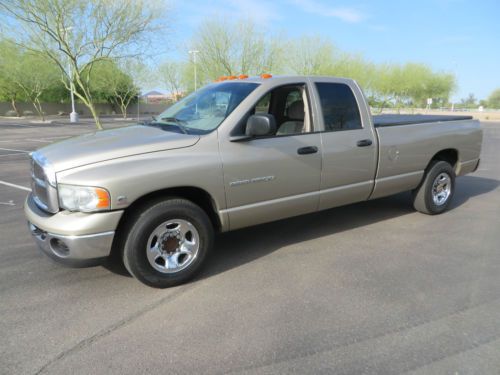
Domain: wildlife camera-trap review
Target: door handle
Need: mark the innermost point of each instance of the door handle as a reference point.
(307, 150)
(364, 143)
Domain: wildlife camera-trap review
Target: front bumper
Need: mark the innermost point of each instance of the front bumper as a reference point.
(73, 250)
(75, 239)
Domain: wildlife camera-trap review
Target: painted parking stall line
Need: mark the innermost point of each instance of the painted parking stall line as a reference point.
(14, 185)
(14, 153)
(14, 150)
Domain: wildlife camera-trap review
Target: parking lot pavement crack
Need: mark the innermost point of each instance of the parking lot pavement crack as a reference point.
(380, 336)
(468, 348)
(114, 327)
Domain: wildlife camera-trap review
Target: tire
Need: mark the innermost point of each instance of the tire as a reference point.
(436, 190)
(167, 243)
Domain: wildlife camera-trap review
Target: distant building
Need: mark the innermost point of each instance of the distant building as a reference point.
(153, 97)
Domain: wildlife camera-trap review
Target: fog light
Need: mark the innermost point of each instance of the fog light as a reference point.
(59, 247)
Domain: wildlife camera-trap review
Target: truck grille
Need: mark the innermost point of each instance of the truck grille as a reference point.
(44, 194)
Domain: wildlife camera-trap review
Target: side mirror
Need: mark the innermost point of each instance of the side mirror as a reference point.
(260, 125)
(257, 126)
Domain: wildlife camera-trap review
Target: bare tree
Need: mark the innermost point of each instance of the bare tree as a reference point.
(75, 34)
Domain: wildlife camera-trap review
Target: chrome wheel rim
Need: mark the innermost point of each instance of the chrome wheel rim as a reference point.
(173, 246)
(441, 189)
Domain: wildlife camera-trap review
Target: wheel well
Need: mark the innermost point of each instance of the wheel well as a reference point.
(196, 195)
(449, 155)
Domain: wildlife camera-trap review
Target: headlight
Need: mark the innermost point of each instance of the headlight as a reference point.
(83, 198)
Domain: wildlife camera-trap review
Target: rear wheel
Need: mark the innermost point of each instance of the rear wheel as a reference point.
(435, 192)
(167, 243)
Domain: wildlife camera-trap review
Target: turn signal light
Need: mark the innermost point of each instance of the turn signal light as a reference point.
(103, 197)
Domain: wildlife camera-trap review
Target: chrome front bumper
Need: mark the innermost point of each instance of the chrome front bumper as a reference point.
(73, 250)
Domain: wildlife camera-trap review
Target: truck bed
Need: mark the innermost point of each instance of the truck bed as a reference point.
(391, 120)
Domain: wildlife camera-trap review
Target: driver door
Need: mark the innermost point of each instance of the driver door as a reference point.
(276, 176)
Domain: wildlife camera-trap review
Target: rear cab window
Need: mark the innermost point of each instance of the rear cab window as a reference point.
(338, 106)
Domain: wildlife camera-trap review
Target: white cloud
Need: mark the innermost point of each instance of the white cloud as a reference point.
(347, 14)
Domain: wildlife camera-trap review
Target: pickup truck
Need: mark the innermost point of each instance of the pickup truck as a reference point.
(235, 153)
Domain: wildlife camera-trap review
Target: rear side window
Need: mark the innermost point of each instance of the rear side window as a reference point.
(339, 107)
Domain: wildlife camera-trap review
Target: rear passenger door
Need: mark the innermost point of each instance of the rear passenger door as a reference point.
(349, 144)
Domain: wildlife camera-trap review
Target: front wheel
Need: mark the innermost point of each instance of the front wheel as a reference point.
(168, 242)
(434, 194)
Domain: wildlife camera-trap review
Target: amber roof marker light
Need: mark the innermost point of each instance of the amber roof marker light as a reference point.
(266, 76)
(242, 76)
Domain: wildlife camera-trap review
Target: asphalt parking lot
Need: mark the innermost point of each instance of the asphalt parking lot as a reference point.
(369, 288)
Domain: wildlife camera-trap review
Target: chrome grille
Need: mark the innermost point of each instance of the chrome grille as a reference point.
(44, 194)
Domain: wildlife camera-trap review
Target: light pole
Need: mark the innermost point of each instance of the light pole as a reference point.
(138, 110)
(194, 52)
(73, 116)
(455, 74)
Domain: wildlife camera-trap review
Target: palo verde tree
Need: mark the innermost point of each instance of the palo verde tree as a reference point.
(9, 89)
(76, 34)
(494, 99)
(36, 76)
(409, 85)
(310, 55)
(172, 76)
(227, 49)
(111, 82)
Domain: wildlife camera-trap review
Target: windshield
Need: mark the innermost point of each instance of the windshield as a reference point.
(204, 110)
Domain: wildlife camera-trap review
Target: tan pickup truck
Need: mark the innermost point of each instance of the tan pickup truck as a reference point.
(234, 154)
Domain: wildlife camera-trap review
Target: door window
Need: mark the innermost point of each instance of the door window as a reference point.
(288, 105)
(339, 107)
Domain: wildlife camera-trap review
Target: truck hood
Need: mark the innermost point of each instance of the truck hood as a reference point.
(111, 144)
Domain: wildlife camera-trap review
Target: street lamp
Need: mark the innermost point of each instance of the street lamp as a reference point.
(138, 108)
(455, 74)
(73, 116)
(194, 52)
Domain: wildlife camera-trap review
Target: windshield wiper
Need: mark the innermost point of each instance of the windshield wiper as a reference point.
(174, 119)
(181, 127)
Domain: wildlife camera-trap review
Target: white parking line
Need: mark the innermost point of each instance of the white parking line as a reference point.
(13, 149)
(38, 140)
(9, 203)
(22, 125)
(15, 153)
(15, 186)
(44, 139)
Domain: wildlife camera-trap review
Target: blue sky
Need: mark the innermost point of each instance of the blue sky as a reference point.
(457, 36)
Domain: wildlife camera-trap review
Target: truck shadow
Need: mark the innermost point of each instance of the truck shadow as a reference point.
(234, 249)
